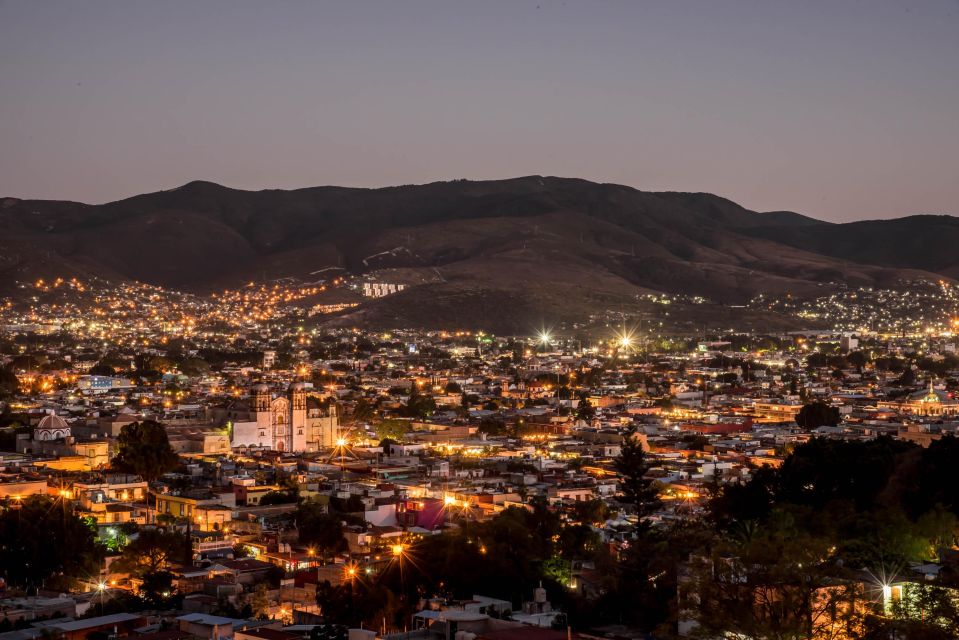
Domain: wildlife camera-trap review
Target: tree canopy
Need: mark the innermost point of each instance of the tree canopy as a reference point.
(41, 542)
(143, 448)
(632, 465)
(817, 414)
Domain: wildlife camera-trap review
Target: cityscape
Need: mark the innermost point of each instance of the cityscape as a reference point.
(422, 406)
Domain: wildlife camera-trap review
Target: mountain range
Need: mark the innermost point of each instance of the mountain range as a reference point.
(502, 253)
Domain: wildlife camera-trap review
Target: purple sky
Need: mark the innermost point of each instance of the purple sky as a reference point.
(842, 110)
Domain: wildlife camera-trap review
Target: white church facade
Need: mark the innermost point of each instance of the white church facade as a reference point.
(293, 421)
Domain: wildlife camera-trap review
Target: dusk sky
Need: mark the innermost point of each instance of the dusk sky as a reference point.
(840, 110)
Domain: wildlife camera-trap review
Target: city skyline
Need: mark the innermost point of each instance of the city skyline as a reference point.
(837, 111)
(498, 320)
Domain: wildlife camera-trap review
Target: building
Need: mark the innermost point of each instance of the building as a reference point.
(53, 437)
(208, 512)
(929, 402)
(295, 421)
(269, 358)
(774, 412)
(102, 384)
(380, 289)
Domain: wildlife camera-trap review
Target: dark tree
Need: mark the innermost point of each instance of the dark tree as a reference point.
(144, 449)
(318, 529)
(40, 540)
(363, 411)
(632, 465)
(418, 405)
(817, 414)
(585, 410)
(101, 369)
(157, 588)
(151, 551)
(9, 385)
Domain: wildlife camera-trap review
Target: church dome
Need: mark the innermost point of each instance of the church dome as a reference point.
(51, 427)
(261, 388)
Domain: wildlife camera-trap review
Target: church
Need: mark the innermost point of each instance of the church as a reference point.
(292, 421)
(53, 436)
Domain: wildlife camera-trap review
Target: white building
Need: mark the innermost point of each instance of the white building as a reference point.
(380, 289)
(294, 421)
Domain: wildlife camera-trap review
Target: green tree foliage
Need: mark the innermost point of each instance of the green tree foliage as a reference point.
(503, 558)
(152, 550)
(101, 369)
(260, 601)
(492, 425)
(319, 530)
(393, 429)
(193, 366)
(591, 511)
(769, 584)
(41, 542)
(9, 384)
(817, 414)
(157, 589)
(418, 405)
(278, 497)
(143, 448)
(585, 410)
(632, 465)
(363, 411)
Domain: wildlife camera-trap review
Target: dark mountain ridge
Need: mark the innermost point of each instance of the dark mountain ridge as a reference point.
(543, 243)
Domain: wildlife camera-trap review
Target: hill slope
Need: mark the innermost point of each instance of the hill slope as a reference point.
(533, 246)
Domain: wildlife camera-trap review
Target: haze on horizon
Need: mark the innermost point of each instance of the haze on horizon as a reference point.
(840, 110)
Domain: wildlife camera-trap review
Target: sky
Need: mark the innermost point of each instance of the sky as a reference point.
(838, 109)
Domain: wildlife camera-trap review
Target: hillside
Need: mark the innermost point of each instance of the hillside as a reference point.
(522, 249)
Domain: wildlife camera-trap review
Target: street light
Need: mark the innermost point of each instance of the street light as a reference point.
(101, 587)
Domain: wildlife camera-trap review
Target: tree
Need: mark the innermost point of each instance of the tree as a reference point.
(908, 378)
(144, 449)
(817, 414)
(157, 588)
(418, 405)
(9, 384)
(363, 411)
(278, 497)
(773, 584)
(386, 444)
(393, 429)
(591, 511)
(321, 531)
(39, 540)
(101, 369)
(585, 410)
(260, 601)
(632, 465)
(858, 359)
(152, 550)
